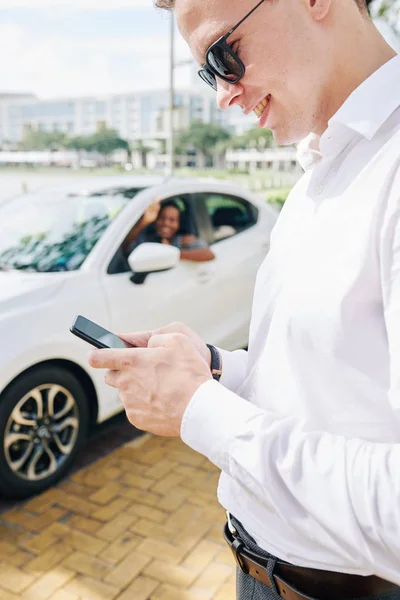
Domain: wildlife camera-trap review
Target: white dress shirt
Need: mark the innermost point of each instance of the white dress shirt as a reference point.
(306, 426)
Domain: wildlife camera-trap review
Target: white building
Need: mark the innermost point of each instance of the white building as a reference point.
(136, 116)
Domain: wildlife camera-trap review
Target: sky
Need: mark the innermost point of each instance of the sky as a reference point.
(54, 48)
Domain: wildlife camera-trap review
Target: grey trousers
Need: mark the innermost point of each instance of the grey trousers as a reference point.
(248, 588)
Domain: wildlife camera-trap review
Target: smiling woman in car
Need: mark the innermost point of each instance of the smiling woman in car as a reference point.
(161, 223)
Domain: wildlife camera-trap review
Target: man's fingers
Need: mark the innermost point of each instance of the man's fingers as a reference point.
(168, 340)
(115, 360)
(123, 360)
(140, 339)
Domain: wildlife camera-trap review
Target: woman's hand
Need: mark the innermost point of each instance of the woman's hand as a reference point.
(152, 212)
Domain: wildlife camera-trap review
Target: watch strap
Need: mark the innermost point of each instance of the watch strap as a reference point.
(216, 362)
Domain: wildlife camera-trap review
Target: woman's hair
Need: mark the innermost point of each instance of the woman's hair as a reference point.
(167, 204)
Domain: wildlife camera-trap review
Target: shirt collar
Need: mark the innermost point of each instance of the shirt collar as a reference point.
(372, 103)
(363, 113)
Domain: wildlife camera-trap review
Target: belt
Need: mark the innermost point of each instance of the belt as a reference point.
(289, 579)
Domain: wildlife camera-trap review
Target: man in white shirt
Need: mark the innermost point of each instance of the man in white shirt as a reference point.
(305, 427)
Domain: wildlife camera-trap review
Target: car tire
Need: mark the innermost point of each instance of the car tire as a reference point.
(44, 420)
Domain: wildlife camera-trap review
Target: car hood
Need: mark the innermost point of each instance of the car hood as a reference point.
(23, 290)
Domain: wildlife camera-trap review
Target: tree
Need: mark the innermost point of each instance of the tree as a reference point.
(202, 137)
(42, 140)
(389, 10)
(256, 138)
(105, 142)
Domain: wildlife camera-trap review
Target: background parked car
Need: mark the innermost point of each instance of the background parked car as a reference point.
(61, 255)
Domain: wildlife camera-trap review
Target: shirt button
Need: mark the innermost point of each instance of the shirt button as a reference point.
(319, 189)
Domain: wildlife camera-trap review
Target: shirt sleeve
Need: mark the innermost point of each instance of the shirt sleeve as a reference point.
(234, 366)
(303, 474)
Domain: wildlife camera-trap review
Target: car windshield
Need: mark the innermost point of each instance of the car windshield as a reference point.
(55, 231)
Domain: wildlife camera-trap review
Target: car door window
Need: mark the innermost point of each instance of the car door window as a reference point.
(229, 215)
(119, 263)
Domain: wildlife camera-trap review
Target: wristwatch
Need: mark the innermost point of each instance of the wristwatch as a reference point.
(216, 363)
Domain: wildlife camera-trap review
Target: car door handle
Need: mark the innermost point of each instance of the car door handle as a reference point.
(204, 276)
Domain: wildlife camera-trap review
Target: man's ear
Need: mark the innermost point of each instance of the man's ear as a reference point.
(318, 9)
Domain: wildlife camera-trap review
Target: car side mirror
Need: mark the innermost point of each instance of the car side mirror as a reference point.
(149, 258)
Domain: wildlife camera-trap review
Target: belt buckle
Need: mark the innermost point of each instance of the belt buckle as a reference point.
(236, 545)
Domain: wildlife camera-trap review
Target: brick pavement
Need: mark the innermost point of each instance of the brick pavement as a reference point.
(140, 524)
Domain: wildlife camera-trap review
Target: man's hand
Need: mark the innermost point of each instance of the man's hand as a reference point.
(141, 338)
(157, 382)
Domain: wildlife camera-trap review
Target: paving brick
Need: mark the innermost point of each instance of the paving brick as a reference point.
(85, 543)
(212, 578)
(172, 574)
(121, 546)
(13, 579)
(84, 524)
(4, 595)
(201, 556)
(87, 565)
(153, 456)
(137, 481)
(192, 534)
(71, 537)
(147, 512)
(87, 588)
(144, 497)
(184, 517)
(126, 571)
(76, 504)
(48, 584)
(112, 529)
(185, 456)
(106, 493)
(40, 543)
(35, 523)
(161, 469)
(42, 503)
(153, 530)
(141, 589)
(166, 484)
(19, 559)
(174, 499)
(161, 550)
(225, 556)
(48, 559)
(112, 509)
(6, 549)
(76, 489)
(63, 595)
(228, 590)
(170, 592)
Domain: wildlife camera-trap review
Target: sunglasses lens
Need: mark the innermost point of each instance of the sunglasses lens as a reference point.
(224, 63)
(209, 78)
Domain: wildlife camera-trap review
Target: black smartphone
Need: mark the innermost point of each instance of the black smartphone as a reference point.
(96, 335)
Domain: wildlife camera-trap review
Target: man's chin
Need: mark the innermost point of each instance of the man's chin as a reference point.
(287, 138)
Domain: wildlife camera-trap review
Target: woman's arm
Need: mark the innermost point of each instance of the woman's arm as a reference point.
(195, 249)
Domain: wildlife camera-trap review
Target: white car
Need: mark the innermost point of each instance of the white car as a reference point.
(61, 255)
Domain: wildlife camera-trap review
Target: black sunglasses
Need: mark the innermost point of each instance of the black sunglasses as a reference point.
(221, 60)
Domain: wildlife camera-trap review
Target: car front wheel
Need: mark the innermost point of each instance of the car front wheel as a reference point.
(44, 419)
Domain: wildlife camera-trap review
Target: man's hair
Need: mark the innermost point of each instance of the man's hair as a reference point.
(170, 4)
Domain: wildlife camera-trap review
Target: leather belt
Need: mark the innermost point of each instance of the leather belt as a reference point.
(315, 583)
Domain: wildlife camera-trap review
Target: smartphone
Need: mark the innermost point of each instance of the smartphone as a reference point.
(96, 335)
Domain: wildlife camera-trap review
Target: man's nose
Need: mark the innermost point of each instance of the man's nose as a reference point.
(228, 94)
